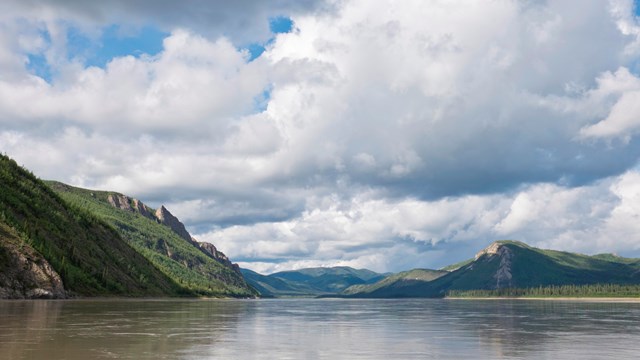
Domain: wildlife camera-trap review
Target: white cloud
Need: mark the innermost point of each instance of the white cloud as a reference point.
(623, 120)
(193, 87)
(395, 134)
(391, 236)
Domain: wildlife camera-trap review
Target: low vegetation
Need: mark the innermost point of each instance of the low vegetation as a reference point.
(571, 291)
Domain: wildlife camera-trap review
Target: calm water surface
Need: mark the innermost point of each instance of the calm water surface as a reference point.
(318, 329)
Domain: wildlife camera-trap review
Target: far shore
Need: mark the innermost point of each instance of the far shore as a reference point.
(581, 299)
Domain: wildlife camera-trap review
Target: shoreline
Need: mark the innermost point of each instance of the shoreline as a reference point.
(564, 298)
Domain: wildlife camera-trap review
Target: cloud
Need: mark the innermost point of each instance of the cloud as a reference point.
(381, 134)
(393, 235)
(243, 21)
(193, 86)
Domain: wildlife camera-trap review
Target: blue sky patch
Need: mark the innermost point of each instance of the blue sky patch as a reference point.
(114, 42)
(280, 24)
(39, 66)
(261, 101)
(255, 50)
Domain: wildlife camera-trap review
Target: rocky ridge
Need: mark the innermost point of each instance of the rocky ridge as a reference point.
(163, 216)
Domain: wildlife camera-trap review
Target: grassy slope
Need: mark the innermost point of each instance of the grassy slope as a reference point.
(530, 267)
(91, 257)
(188, 266)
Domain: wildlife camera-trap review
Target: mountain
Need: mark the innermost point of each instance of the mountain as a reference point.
(310, 281)
(50, 249)
(329, 280)
(396, 281)
(163, 240)
(512, 264)
(269, 286)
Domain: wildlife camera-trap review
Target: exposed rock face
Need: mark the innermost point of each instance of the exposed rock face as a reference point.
(143, 209)
(503, 275)
(120, 202)
(211, 251)
(162, 215)
(24, 273)
(166, 218)
(124, 202)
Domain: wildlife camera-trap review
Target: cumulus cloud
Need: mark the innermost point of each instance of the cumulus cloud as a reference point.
(193, 86)
(392, 235)
(380, 134)
(243, 21)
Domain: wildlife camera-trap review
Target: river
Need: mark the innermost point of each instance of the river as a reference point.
(318, 329)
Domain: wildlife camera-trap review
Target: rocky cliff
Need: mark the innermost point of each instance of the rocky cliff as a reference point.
(164, 240)
(162, 215)
(502, 275)
(50, 248)
(210, 250)
(166, 218)
(24, 272)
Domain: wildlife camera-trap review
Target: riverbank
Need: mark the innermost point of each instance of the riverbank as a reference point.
(581, 299)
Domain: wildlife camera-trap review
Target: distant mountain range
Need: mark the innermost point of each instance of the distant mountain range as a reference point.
(310, 281)
(502, 265)
(59, 241)
(509, 264)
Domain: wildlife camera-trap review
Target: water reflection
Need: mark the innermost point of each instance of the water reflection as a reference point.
(127, 329)
(318, 329)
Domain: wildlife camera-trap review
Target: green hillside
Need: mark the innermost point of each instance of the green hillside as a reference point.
(171, 250)
(329, 280)
(511, 264)
(397, 281)
(310, 282)
(90, 257)
(269, 286)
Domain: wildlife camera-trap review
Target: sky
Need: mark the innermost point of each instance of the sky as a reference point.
(386, 135)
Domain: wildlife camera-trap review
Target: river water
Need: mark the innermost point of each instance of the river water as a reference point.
(318, 329)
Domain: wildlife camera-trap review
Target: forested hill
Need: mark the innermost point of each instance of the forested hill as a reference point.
(58, 241)
(507, 265)
(51, 249)
(163, 240)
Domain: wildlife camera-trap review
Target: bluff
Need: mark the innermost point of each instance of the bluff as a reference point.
(50, 249)
(163, 240)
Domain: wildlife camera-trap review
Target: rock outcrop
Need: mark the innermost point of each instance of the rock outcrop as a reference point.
(162, 215)
(502, 276)
(124, 202)
(120, 202)
(143, 209)
(212, 251)
(166, 218)
(24, 273)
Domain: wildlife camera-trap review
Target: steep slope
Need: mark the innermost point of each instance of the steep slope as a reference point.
(511, 264)
(162, 239)
(45, 240)
(24, 273)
